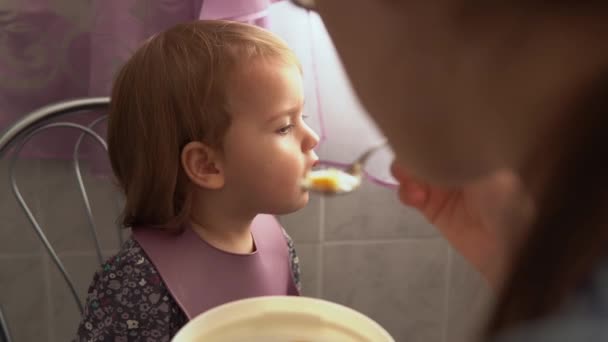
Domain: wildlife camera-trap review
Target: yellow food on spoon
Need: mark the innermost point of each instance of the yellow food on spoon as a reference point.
(325, 183)
(331, 180)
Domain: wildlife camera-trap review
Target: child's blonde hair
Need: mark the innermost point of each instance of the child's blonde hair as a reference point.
(173, 91)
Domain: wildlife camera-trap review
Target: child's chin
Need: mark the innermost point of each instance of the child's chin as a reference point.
(303, 200)
(294, 205)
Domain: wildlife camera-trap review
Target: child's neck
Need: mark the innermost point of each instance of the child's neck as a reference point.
(226, 231)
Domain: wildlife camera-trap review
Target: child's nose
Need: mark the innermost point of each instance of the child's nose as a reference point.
(311, 140)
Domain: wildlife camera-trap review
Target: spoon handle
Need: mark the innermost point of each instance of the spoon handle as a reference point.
(357, 166)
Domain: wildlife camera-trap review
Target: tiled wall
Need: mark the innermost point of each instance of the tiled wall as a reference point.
(363, 250)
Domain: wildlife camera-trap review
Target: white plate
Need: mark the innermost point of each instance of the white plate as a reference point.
(282, 319)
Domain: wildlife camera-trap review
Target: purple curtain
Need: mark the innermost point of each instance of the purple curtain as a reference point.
(52, 50)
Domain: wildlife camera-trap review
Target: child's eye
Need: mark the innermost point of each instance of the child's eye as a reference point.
(285, 130)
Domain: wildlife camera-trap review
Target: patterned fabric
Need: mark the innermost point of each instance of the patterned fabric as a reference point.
(128, 301)
(294, 261)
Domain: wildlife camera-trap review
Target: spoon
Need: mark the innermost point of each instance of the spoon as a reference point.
(334, 181)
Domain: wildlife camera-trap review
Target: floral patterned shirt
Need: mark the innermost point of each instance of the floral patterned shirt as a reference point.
(128, 300)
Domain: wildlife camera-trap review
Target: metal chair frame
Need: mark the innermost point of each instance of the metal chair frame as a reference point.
(16, 137)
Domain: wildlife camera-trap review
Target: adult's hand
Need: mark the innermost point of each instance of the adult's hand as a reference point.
(483, 220)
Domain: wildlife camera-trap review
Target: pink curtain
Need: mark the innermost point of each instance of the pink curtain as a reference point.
(53, 50)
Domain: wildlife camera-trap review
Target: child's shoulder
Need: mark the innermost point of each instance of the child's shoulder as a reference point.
(131, 262)
(126, 297)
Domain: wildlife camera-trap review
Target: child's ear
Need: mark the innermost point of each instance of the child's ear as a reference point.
(203, 165)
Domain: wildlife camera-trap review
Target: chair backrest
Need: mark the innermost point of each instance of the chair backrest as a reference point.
(5, 334)
(14, 139)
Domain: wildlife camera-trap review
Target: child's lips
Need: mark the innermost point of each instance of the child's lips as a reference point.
(309, 169)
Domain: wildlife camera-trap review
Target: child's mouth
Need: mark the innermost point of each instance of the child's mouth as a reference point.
(331, 181)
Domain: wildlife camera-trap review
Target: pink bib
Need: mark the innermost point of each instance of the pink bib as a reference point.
(200, 276)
